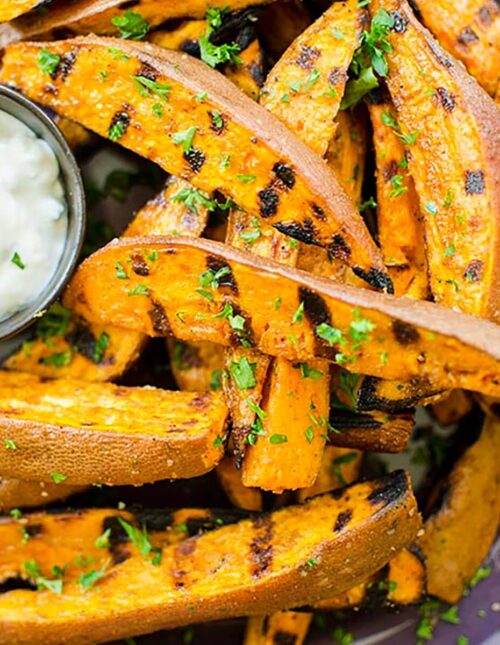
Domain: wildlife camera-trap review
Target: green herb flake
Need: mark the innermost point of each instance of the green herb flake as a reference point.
(277, 304)
(313, 78)
(370, 203)
(218, 442)
(9, 444)
(140, 540)
(131, 25)
(102, 542)
(185, 137)
(202, 96)
(243, 373)
(121, 274)
(398, 188)
(450, 250)
(337, 33)
(309, 434)
(450, 616)
(278, 438)
(147, 87)
(330, 334)
(215, 55)
(216, 380)
(246, 179)
(48, 62)
(116, 131)
(58, 478)
(100, 348)
(309, 372)
(481, 574)
(16, 259)
(117, 54)
(338, 462)
(58, 359)
(192, 197)
(298, 316)
(340, 635)
(139, 290)
(408, 139)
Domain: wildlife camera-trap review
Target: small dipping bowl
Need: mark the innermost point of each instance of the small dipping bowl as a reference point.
(37, 120)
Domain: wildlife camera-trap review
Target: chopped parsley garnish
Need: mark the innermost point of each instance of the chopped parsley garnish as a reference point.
(117, 54)
(16, 259)
(58, 478)
(32, 568)
(243, 373)
(398, 188)
(121, 274)
(140, 540)
(147, 87)
(139, 290)
(312, 80)
(58, 359)
(9, 444)
(360, 329)
(309, 434)
(481, 574)
(16, 513)
(278, 438)
(298, 316)
(332, 92)
(117, 130)
(389, 120)
(330, 334)
(88, 579)
(192, 197)
(216, 380)
(277, 304)
(341, 636)
(250, 235)
(337, 33)
(132, 25)
(312, 562)
(54, 324)
(448, 199)
(218, 441)
(246, 179)
(215, 55)
(450, 250)
(217, 119)
(309, 372)
(48, 62)
(450, 616)
(100, 347)
(370, 203)
(157, 110)
(185, 138)
(357, 88)
(408, 139)
(212, 279)
(102, 542)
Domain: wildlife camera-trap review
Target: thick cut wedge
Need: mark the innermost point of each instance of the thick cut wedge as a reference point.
(369, 333)
(10, 9)
(459, 534)
(96, 16)
(452, 131)
(225, 141)
(455, 406)
(80, 433)
(312, 73)
(15, 493)
(254, 566)
(375, 431)
(281, 627)
(470, 30)
(395, 396)
(399, 218)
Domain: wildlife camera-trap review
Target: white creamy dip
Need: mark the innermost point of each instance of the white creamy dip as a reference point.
(33, 215)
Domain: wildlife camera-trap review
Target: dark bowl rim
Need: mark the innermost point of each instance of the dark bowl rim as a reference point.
(72, 182)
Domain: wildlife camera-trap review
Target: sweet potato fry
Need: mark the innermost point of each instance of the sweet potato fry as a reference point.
(312, 73)
(395, 396)
(81, 433)
(375, 431)
(451, 128)
(192, 284)
(470, 30)
(15, 493)
(467, 520)
(246, 577)
(277, 178)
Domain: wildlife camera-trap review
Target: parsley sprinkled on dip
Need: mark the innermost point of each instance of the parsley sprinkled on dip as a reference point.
(33, 215)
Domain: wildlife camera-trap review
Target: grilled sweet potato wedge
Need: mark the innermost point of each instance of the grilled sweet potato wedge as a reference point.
(197, 367)
(452, 130)
(452, 408)
(81, 433)
(399, 220)
(10, 9)
(239, 495)
(395, 396)
(96, 16)
(225, 141)
(281, 627)
(286, 558)
(312, 73)
(375, 431)
(15, 493)
(467, 521)
(411, 339)
(248, 74)
(470, 30)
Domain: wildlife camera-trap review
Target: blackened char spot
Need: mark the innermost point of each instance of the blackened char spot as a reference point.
(404, 333)
(339, 248)
(307, 57)
(217, 122)
(474, 271)
(342, 520)
(261, 548)
(268, 202)
(284, 638)
(50, 88)
(148, 72)
(33, 530)
(257, 72)
(368, 397)
(215, 264)
(318, 212)
(467, 36)
(159, 319)
(285, 174)
(336, 75)
(82, 340)
(121, 118)
(214, 520)
(65, 65)
(446, 99)
(315, 309)
(129, 4)
(191, 47)
(474, 182)
(376, 278)
(153, 519)
(139, 264)
(117, 539)
(195, 159)
(389, 488)
(400, 22)
(14, 583)
(304, 232)
(347, 419)
(336, 493)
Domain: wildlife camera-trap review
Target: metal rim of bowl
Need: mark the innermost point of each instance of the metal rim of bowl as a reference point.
(39, 122)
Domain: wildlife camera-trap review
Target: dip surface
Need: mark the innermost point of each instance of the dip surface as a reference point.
(33, 215)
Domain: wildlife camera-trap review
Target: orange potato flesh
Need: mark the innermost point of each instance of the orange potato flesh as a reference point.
(248, 75)
(197, 367)
(103, 433)
(312, 73)
(186, 33)
(374, 431)
(10, 9)
(470, 30)
(408, 576)
(454, 163)
(400, 225)
(269, 630)
(452, 408)
(254, 159)
(407, 339)
(229, 571)
(15, 493)
(241, 496)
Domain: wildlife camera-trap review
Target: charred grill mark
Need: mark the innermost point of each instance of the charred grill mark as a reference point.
(368, 398)
(215, 264)
(217, 122)
(336, 493)
(139, 264)
(284, 638)
(304, 232)
(201, 401)
(307, 57)
(148, 72)
(16, 582)
(446, 99)
(336, 75)
(318, 212)
(65, 66)
(153, 519)
(33, 530)
(376, 278)
(390, 169)
(121, 118)
(404, 333)
(400, 22)
(347, 419)
(315, 309)
(261, 548)
(82, 340)
(159, 318)
(389, 488)
(257, 73)
(214, 520)
(285, 174)
(191, 47)
(474, 271)
(339, 248)
(195, 159)
(269, 201)
(117, 539)
(474, 182)
(186, 547)
(342, 521)
(467, 36)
